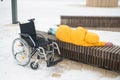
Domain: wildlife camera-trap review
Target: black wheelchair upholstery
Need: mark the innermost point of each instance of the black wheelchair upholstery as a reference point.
(28, 29)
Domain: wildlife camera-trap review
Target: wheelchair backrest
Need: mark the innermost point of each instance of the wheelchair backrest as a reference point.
(28, 28)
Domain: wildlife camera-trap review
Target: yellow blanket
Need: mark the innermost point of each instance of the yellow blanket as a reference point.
(78, 36)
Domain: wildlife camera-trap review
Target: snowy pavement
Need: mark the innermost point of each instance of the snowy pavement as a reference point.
(63, 71)
(48, 14)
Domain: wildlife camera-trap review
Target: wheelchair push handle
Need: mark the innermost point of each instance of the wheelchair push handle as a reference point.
(31, 19)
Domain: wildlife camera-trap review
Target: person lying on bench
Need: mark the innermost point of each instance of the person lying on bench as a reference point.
(78, 36)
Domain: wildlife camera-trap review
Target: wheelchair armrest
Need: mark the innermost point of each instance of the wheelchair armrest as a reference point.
(40, 35)
(27, 35)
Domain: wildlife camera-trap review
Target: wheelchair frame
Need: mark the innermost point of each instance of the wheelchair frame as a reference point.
(42, 53)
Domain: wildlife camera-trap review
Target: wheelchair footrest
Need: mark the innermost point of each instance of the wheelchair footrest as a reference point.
(52, 63)
(49, 64)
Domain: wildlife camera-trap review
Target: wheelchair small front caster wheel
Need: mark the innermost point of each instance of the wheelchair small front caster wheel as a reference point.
(34, 65)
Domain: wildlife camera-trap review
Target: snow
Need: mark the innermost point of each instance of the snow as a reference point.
(47, 14)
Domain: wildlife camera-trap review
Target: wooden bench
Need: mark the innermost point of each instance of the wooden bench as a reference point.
(102, 3)
(103, 57)
(91, 21)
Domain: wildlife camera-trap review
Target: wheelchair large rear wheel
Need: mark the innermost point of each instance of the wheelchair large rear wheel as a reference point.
(21, 51)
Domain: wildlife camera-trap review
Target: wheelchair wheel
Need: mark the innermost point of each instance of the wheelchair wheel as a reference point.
(34, 65)
(21, 51)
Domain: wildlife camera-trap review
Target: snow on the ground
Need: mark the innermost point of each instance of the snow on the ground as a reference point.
(47, 14)
(10, 70)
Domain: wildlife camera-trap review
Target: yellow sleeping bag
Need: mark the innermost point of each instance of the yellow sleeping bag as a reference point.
(78, 36)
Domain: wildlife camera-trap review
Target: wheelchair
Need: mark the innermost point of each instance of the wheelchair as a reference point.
(29, 44)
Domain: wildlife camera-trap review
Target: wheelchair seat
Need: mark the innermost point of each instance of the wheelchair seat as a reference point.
(40, 42)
